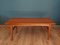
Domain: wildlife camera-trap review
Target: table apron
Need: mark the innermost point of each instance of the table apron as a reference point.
(32, 25)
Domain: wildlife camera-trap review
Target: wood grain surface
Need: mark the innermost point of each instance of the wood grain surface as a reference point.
(31, 36)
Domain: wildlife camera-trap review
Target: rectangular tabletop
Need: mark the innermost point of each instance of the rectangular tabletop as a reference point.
(20, 21)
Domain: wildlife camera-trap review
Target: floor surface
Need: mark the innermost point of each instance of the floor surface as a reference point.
(31, 36)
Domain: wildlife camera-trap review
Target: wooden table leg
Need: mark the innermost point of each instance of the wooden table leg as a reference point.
(49, 32)
(11, 33)
(15, 28)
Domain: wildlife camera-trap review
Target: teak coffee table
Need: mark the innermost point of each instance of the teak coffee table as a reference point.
(14, 22)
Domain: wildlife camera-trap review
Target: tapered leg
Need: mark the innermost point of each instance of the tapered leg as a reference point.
(49, 32)
(11, 32)
(15, 28)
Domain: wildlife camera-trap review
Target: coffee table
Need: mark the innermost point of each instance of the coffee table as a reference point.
(14, 22)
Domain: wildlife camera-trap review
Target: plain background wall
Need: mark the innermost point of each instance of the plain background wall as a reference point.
(30, 9)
